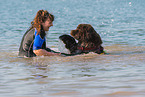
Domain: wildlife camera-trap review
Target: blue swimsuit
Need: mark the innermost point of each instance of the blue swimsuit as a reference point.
(38, 41)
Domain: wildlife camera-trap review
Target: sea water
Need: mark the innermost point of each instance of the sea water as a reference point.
(120, 73)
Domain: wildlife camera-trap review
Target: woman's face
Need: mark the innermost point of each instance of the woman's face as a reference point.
(48, 23)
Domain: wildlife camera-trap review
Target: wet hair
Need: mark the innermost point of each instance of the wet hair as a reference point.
(40, 17)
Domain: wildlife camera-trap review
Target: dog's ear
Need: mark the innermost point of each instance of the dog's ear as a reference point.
(90, 33)
(84, 32)
(94, 36)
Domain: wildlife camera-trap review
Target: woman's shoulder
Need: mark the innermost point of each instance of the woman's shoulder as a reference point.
(30, 31)
(29, 34)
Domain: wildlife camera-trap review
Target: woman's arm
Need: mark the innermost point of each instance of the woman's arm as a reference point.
(39, 46)
(43, 52)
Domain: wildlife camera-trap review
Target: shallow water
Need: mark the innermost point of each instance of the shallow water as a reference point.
(119, 73)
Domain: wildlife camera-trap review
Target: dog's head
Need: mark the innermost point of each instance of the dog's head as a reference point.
(86, 33)
(69, 42)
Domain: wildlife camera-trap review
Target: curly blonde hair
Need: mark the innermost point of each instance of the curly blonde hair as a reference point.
(40, 17)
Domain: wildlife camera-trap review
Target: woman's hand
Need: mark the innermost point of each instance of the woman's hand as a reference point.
(42, 52)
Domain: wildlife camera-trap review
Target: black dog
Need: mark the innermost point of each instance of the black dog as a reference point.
(73, 47)
(88, 40)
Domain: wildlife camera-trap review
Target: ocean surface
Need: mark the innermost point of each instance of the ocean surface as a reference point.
(120, 73)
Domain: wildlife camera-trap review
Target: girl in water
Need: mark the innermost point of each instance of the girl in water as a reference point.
(34, 42)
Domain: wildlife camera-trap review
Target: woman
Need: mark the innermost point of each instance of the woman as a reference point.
(33, 42)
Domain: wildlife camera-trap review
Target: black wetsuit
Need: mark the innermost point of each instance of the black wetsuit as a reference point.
(26, 47)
